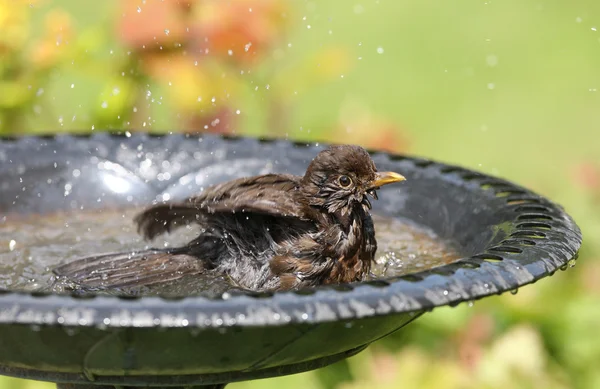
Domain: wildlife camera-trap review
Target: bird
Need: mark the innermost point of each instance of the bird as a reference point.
(267, 232)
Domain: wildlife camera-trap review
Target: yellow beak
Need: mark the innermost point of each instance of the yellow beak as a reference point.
(384, 178)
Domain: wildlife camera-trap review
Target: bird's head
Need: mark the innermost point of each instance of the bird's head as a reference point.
(340, 177)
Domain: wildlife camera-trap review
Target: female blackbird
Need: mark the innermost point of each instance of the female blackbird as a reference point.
(269, 232)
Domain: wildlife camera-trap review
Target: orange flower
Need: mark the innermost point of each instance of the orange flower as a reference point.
(44, 54)
(241, 29)
(58, 24)
(193, 86)
(58, 33)
(149, 24)
(360, 126)
(587, 176)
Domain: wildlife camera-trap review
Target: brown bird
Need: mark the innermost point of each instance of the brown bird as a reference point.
(269, 232)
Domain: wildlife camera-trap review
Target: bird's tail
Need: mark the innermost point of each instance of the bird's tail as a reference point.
(129, 269)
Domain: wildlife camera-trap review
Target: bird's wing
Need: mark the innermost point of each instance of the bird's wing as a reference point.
(271, 194)
(146, 267)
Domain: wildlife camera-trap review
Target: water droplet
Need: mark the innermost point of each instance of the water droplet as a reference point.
(167, 31)
(379, 50)
(491, 60)
(564, 267)
(491, 86)
(12, 244)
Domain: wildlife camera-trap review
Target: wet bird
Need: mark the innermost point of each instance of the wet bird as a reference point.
(268, 232)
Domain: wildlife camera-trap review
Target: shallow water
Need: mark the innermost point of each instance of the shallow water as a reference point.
(31, 246)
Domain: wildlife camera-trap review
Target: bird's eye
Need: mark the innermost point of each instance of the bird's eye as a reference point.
(345, 181)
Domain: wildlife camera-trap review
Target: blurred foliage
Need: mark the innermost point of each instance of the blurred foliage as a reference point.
(509, 88)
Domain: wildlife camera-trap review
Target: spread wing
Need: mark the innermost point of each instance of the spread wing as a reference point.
(147, 267)
(271, 194)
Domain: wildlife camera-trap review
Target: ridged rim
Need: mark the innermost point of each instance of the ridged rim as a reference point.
(544, 240)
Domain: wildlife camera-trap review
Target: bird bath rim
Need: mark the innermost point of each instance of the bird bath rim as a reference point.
(543, 239)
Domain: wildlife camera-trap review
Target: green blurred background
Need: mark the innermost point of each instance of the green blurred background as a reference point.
(510, 88)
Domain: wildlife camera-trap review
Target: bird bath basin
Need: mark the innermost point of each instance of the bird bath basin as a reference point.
(498, 237)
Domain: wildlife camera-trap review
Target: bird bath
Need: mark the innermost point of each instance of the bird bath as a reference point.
(503, 237)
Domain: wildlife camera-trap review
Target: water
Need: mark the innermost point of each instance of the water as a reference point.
(404, 247)
(31, 246)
